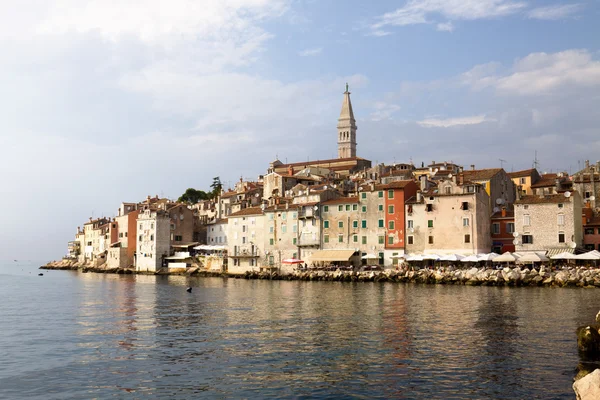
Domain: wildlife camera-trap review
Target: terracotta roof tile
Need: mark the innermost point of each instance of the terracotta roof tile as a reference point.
(342, 200)
(549, 198)
(247, 211)
(521, 174)
(481, 174)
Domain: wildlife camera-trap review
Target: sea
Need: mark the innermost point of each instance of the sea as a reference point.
(73, 335)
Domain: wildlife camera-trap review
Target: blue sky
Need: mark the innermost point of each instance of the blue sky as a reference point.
(111, 101)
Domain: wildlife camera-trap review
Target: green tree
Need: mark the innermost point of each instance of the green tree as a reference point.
(216, 186)
(193, 196)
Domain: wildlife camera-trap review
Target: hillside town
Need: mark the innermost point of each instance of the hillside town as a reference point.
(350, 213)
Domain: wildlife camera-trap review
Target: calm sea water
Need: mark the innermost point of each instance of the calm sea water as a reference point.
(70, 335)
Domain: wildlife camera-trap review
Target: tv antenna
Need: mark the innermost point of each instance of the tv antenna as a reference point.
(536, 163)
(501, 162)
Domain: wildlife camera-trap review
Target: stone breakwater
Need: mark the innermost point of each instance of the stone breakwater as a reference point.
(567, 277)
(571, 277)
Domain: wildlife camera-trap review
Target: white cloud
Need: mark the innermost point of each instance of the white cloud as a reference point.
(538, 73)
(450, 122)
(379, 33)
(554, 12)
(423, 11)
(445, 27)
(383, 111)
(310, 52)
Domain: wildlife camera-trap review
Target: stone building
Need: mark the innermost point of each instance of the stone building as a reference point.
(496, 183)
(153, 239)
(281, 236)
(245, 238)
(216, 233)
(346, 129)
(587, 183)
(94, 232)
(449, 219)
(550, 222)
(523, 181)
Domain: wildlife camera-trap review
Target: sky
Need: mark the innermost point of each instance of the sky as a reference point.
(105, 101)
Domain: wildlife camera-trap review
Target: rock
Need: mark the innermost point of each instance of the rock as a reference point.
(588, 387)
(588, 339)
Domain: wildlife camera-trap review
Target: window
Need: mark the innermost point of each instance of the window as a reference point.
(363, 195)
(495, 228)
(430, 239)
(391, 224)
(364, 240)
(467, 238)
(381, 223)
(340, 224)
(470, 189)
(243, 228)
(411, 240)
(589, 231)
(341, 238)
(465, 221)
(151, 237)
(326, 238)
(271, 241)
(363, 223)
(525, 207)
(430, 223)
(294, 228)
(125, 234)
(340, 207)
(429, 207)
(325, 208)
(526, 220)
(587, 195)
(589, 246)
(270, 217)
(380, 239)
(390, 209)
(364, 209)
(560, 205)
(139, 239)
(464, 205)
(523, 181)
(294, 215)
(510, 227)
(178, 238)
(448, 190)
(561, 219)
(355, 224)
(271, 229)
(390, 240)
(141, 227)
(561, 238)
(410, 223)
(380, 207)
(527, 239)
(347, 207)
(354, 207)
(283, 228)
(243, 239)
(380, 194)
(390, 194)
(325, 224)
(355, 238)
(410, 209)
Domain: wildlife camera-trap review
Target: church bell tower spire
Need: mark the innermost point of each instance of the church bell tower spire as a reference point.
(346, 129)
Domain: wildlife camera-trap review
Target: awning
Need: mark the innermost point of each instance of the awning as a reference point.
(185, 245)
(558, 250)
(332, 255)
(177, 257)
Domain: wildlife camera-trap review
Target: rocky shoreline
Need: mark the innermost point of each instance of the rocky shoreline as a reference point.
(516, 276)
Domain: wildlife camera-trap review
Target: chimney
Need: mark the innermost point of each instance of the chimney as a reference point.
(418, 196)
(557, 184)
(90, 219)
(290, 171)
(423, 181)
(472, 167)
(587, 164)
(287, 206)
(503, 211)
(372, 187)
(433, 163)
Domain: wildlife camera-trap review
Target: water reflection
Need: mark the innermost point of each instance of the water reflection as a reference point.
(238, 338)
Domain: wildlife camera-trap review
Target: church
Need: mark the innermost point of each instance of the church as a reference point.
(347, 162)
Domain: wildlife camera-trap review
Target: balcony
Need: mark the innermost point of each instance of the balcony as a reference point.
(245, 253)
(307, 212)
(308, 241)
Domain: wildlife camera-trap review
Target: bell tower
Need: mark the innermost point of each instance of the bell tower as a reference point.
(346, 129)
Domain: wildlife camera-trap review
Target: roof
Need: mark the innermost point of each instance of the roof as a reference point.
(332, 255)
(228, 194)
(586, 178)
(521, 174)
(545, 181)
(341, 200)
(481, 174)
(320, 162)
(282, 207)
(247, 211)
(347, 113)
(595, 221)
(547, 199)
